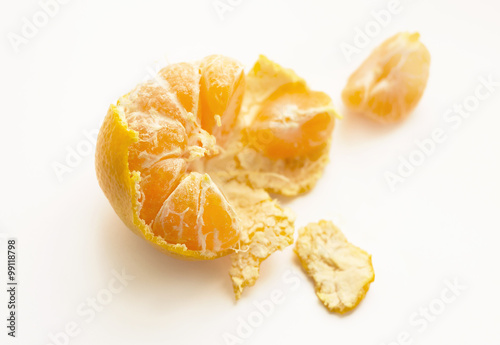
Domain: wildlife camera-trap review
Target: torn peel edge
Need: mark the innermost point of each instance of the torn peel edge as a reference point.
(344, 309)
(120, 185)
(245, 268)
(341, 272)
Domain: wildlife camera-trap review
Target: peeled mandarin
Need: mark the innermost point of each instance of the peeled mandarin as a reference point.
(293, 121)
(155, 147)
(390, 82)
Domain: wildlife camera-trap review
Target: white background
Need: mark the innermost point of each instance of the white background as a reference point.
(440, 224)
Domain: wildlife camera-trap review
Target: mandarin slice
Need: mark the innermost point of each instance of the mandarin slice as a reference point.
(293, 121)
(390, 82)
(197, 215)
(183, 79)
(157, 183)
(153, 97)
(159, 137)
(222, 86)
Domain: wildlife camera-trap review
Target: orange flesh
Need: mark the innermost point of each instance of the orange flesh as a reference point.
(155, 97)
(164, 196)
(222, 86)
(159, 138)
(293, 121)
(158, 183)
(390, 82)
(197, 214)
(182, 79)
(184, 206)
(165, 131)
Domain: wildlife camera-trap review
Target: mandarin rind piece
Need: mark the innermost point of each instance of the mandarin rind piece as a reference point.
(342, 273)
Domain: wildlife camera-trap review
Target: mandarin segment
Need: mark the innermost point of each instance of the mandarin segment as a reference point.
(184, 80)
(154, 97)
(159, 138)
(157, 183)
(198, 216)
(222, 87)
(390, 82)
(293, 121)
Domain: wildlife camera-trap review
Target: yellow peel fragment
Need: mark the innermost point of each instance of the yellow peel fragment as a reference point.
(266, 228)
(342, 272)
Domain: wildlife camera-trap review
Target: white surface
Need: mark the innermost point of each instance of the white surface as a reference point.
(440, 224)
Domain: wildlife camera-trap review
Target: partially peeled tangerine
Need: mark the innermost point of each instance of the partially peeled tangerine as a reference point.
(188, 159)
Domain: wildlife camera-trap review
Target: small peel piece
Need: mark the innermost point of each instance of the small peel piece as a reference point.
(342, 272)
(266, 228)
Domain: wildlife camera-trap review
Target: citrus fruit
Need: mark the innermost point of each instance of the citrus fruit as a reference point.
(286, 133)
(295, 120)
(170, 155)
(390, 82)
(182, 79)
(197, 215)
(222, 86)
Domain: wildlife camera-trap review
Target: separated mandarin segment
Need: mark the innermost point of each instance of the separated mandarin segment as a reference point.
(390, 82)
